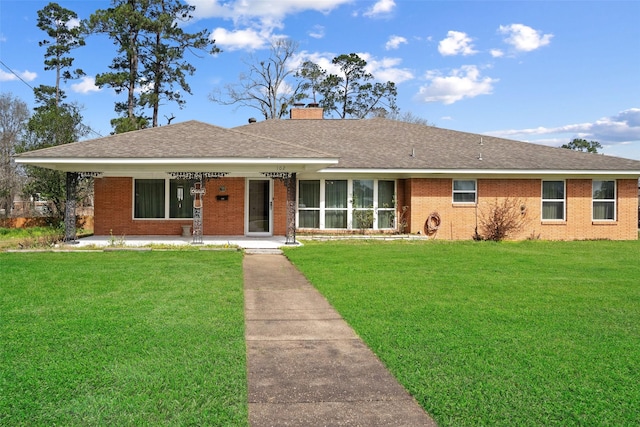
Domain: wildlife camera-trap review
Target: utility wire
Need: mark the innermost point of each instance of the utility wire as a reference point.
(31, 87)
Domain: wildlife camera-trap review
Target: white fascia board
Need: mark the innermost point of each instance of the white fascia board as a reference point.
(481, 172)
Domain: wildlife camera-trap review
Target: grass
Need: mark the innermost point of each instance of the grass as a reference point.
(122, 338)
(11, 238)
(482, 333)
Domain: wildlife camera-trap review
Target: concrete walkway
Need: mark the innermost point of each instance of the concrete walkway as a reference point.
(306, 366)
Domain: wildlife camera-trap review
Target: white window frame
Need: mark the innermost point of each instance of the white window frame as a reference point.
(474, 192)
(563, 200)
(167, 207)
(349, 209)
(613, 201)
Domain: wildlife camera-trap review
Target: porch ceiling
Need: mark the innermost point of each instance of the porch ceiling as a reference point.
(132, 166)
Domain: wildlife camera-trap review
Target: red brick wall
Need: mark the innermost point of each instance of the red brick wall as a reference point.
(426, 195)
(114, 210)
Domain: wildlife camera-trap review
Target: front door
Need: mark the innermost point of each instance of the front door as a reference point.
(259, 207)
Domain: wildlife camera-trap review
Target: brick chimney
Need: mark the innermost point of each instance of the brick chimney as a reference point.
(308, 112)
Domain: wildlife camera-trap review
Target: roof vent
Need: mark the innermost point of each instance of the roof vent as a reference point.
(252, 120)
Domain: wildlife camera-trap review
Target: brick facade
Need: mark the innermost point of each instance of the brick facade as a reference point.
(458, 221)
(422, 196)
(114, 210)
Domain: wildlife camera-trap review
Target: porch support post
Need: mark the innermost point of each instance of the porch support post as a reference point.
(290, 183)
(70, 208)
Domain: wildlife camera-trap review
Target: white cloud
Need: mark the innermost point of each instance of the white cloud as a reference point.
(496, 53)
(621, 128)
(317, 32)
(524, 38)
(72, 23)
(386, 69)
(465, 82)
(456, 43)
(248, 39)
(27, 76)
(382, 7)
(260, 18)
(394, 42)
(86, 85)
(241, 10)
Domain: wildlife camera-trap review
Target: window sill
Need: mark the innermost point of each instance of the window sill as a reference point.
(553, 222)
(604, 222)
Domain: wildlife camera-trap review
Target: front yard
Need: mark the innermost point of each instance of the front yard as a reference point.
(480, 333)
(128, 338)
(529, 333)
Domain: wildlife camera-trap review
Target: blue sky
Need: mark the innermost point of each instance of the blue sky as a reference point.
(537, 71)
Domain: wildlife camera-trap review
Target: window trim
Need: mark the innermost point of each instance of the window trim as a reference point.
(563, 200)
(167, 202)
(474, 192)
(614, 201)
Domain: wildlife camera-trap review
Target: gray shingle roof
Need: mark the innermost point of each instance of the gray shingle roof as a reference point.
(389, 144)
(191, 139)
(359, 144)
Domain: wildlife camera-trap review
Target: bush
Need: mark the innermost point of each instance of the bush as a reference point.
(502, 219)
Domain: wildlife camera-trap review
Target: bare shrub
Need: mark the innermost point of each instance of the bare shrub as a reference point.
(502, 219)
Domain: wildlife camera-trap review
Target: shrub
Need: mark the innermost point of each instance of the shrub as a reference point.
(502, 219)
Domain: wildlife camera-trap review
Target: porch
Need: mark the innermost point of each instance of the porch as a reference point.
(270, 242)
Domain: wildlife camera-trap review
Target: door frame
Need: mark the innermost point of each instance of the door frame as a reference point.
(247, 205)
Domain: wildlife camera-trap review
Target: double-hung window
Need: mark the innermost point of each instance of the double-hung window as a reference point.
(553, 200)
(163, 198)
(604, 200)
(464, 191)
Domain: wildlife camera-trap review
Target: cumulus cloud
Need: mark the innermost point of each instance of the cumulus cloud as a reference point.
(248, 39)
(86, 85)
(524, 38)
(241, 10)
(461, 83)
(255, 21)
(381, 7)
(620, 128)
(456, 43)
(27, 76)
(394, 42)
(496, 53)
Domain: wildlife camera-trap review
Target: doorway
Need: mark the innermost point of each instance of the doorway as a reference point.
(259, 218)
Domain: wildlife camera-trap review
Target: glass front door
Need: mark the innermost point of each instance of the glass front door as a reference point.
(259, 207)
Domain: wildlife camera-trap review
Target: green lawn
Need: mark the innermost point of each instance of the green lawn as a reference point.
(481, 333)
(122, 338)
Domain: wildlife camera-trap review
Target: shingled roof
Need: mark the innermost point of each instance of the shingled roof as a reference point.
(332, 145)
(395, 145)
(192, 143)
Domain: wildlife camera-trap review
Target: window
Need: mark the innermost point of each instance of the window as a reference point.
(362, 203)
(335, 196)
(149, 198)
(464, 191)
(553, 200)
(346, 204)
(386, 204)
(163, 198)
(309, 204)
(604, 200)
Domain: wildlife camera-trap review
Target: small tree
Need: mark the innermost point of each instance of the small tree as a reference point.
(14, 114)
(501, 219)
(579, 144)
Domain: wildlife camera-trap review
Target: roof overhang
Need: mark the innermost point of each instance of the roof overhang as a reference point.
(130, 166)
(482, 173)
